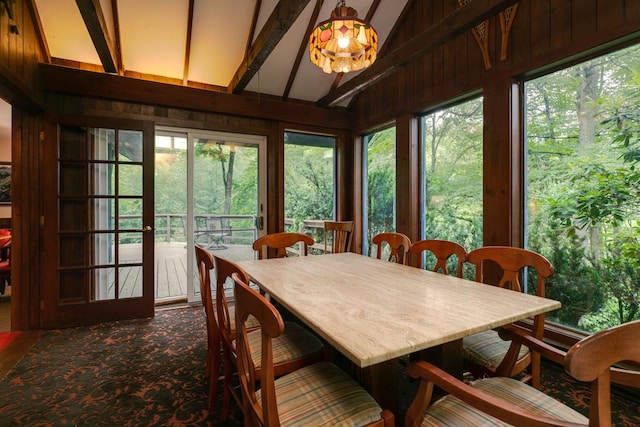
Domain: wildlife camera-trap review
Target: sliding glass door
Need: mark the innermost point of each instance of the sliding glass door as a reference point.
(210, 190)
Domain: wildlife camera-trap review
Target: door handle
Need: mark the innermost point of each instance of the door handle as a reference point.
(147, 228)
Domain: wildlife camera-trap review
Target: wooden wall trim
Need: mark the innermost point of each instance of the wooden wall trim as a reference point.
(106, 86)
(408, 198)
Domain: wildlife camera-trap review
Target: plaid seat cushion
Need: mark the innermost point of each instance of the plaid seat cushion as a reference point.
(487, 349)
(294, 343)
(451, 411)
(323, 395)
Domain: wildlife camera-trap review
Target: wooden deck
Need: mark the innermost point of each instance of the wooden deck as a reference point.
(171, 267)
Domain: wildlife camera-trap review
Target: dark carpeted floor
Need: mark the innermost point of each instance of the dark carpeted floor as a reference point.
(151, 372)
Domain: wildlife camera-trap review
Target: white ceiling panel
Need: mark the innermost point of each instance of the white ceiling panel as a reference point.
(154, 36)
(66, 34)
(218, 40)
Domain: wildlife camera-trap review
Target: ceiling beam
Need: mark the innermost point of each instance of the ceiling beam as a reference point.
(116, 30)
(72, 81)
(461, 20)
(187, 50)
(282, 18)
(93, 17)
(304, 47)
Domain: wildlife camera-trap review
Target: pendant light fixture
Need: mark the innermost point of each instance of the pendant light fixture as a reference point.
(344, 42)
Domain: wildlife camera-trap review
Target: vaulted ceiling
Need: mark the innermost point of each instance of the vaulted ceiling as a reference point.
(256, 46)
(261, 46)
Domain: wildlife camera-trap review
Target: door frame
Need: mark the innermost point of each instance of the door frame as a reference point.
(260, 141)
(56, 314)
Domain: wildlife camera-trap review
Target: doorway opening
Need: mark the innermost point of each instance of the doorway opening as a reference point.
(209, 190)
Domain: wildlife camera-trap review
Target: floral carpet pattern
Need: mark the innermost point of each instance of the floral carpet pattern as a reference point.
(143, 372)
(150, 372)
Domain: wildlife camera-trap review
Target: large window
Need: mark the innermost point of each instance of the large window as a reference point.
(452, 179)
(583, 196)
(380, 189)
(308, 182)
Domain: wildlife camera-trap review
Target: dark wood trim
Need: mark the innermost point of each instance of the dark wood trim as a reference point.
(187, 50)
(461, 20)
(282, 18)
(304, 47)
(107, 86)
(17, 93)
(93, 17)
(407, 177)
(116, 29)
(39, 30)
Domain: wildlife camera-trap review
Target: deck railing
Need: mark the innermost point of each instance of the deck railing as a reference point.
(236, 229)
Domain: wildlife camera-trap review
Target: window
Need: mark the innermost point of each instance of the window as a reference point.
(380, 184)
(309, 197)
(452, 174)
(583, 198)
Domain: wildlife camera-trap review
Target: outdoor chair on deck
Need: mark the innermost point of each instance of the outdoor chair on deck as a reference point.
(282, 242)
(442, 250)
(485, 352)
(398, 243)
(318, 394)
(292, 350)
(337, 236)
(218, 229)
(515, 403)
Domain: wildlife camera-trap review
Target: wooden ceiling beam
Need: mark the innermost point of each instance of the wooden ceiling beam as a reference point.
(282, 18)
(72, 81)
(93, 17)
(304, 47)
(187, 50)
(461, 20)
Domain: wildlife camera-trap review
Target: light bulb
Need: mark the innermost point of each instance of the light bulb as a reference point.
(343, 42)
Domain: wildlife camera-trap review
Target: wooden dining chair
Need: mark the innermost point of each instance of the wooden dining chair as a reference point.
(282, 241)
(318, 394)
(398, 243)
(442, 250)
(337, 236)
(204, 264)
(488, 400)
(485, 352)
(294, 349)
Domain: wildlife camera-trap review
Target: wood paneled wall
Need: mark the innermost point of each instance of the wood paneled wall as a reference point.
(20, 54)
(545, 34)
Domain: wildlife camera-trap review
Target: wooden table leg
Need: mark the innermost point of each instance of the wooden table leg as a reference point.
(448, 356)
(383, 382)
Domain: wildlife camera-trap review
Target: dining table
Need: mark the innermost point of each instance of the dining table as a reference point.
(374, 312)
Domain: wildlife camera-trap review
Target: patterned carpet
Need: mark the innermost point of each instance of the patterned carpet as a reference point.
(150, 372)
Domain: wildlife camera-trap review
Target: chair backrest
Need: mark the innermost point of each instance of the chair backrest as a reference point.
(282, 241)
(204, 264)
(340, 233)
(224, 270)
(511, 261)
(442, 250)
(250, 302)
(590, 360)
(398, 243)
